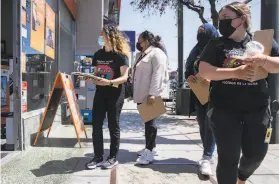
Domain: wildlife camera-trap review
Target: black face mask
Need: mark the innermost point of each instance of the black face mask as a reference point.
(225, 27)
(139, 47)
(202, 39)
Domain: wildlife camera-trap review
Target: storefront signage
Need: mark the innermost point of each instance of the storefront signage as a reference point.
(62, 84)
(50, 32)
(37, 25)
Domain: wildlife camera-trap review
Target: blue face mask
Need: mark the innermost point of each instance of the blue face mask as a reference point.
(101, 41)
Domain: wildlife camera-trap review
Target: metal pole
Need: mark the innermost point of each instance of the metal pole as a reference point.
(180, 43)
(17, 75)
(270, 20)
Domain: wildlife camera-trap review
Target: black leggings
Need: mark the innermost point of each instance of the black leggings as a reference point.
(112, 105)
(150, 134)
(235, 132)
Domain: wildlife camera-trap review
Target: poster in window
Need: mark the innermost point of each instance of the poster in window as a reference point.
(23, 17)
(50, 32)
(24, 96)
(38, 25)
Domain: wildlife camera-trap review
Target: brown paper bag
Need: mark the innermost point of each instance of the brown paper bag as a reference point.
(201, 89)
(148, 113)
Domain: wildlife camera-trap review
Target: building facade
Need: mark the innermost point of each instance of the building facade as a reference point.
(41, 39)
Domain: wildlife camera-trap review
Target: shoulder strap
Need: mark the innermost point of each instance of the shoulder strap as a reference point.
(135, 65)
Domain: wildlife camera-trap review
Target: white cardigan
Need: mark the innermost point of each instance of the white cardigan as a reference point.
(151, 74)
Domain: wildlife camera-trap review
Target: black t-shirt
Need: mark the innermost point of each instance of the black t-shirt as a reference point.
(233, 93)
(107, 65)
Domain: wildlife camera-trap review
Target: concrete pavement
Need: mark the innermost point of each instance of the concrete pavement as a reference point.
(59, 159)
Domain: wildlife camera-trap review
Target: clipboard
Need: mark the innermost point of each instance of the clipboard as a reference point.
(264, 37)
(200, 89)
(148, 113)
(86, 75)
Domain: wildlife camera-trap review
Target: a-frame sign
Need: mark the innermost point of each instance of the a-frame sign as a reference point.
(62, 84)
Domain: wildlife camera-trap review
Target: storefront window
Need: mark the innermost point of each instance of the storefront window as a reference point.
(39, 64)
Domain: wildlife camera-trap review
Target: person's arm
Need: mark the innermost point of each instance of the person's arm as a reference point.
(159, 67)
(210, 72)
(210, 62)
(124, 76)
(124, 70)
(208, 67)
(271, 65)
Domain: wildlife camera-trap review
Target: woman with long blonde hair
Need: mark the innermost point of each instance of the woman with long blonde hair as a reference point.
(111, 64)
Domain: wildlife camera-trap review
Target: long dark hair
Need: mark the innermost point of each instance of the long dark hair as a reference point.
(155, 41)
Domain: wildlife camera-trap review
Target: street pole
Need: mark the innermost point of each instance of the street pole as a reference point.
(270, 20)
(180, 43)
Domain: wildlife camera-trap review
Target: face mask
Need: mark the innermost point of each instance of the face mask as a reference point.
(101, 41)
(139, 47)
(202, 39)
(225, 27)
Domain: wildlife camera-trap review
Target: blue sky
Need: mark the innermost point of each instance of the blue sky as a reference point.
(165, 25)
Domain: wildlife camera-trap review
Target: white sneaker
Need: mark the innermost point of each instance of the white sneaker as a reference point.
(205, 167)
(146, 157)
(154, 151)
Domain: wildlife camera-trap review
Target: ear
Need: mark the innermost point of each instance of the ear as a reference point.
(244, 18)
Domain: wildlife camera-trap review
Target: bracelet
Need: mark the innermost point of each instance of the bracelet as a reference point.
(264, 61)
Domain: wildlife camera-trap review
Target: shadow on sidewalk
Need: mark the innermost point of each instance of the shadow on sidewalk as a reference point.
(61, 142)
(72, 142)
(175, 166)
(77, 164)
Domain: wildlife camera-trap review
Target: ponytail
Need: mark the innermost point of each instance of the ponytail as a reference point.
(155, 41)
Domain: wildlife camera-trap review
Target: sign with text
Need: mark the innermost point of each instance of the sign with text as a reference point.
(38, 25)
(50, 32)
(62, 84)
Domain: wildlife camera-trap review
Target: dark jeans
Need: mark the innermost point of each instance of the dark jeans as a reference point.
(235, 132)
(150, 134)
(207, 137)
(112, 105)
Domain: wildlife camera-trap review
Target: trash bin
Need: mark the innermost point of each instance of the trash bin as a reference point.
(183, 101)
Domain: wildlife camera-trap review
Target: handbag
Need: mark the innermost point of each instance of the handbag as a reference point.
(129, 83)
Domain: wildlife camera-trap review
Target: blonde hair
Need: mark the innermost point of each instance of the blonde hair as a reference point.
(117, 40)
(241, 9)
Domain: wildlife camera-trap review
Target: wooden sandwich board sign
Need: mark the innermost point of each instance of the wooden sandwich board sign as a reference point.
(63, 84)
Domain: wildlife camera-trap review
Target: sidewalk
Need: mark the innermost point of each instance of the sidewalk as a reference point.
(59, 160)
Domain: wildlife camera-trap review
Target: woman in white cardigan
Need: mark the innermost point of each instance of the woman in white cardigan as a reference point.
(150, 76)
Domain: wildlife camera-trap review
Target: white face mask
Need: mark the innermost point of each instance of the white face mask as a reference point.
(101, 41)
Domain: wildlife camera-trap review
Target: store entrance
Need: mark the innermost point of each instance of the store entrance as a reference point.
(8, 135)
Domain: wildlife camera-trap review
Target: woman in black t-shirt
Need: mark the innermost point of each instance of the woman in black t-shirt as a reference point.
(240, 115)
(111, 64)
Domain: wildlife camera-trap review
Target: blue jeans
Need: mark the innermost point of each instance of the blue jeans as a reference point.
(206, 134)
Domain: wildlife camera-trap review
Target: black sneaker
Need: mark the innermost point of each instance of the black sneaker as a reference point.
(110, 163)
(95, 162)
